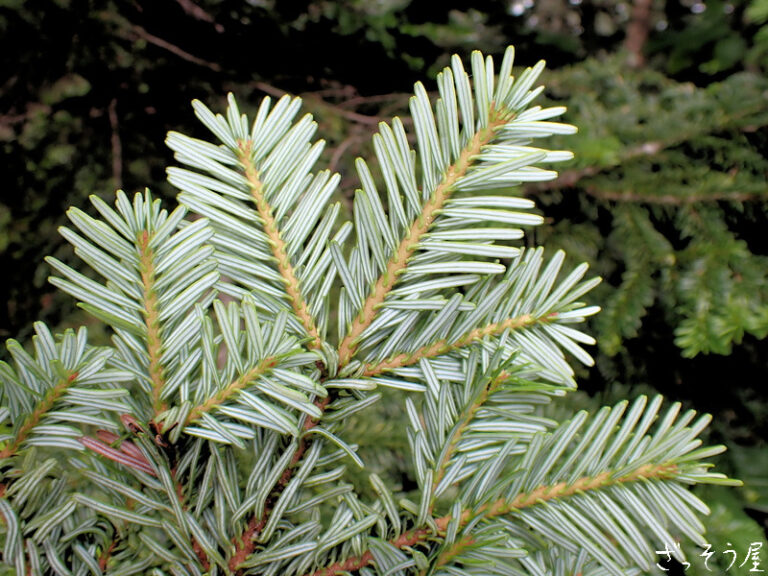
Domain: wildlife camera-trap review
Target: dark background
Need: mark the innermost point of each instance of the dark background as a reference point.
(666, 197)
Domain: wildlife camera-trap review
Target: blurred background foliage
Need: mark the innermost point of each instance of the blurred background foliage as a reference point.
(666, 198)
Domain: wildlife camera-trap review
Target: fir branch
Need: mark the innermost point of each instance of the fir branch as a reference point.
(244, 543)
(443, 347)
(271, 233)
(33, 419)
(278, 245)
(151, 319)
(464, 420)
(501, 507)
(220, 397)
(399, 261)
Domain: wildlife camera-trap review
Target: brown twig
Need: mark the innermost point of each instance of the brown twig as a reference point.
(199, 14)
(375, 99)
(637, 32)
(672, 199)
(339, 152)
(127, 455)
(337, 91)
(104, 558)
(7, 119)
(131, 31)
(173, 49)
(244, 543)
(273, 91)
(348, 114)
(199, 552)
(318, 101)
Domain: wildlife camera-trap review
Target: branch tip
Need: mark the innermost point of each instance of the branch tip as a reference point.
(279, 249)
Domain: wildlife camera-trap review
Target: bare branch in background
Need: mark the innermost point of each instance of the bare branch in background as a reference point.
(164, 44)
(637, 32)
(570, 178)
(313, 98)
(339, 151)
(669, 199)
(131, 31)
(199, 14)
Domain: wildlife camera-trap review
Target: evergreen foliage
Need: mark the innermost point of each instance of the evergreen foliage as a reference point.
(666, 167)
(249, 325)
